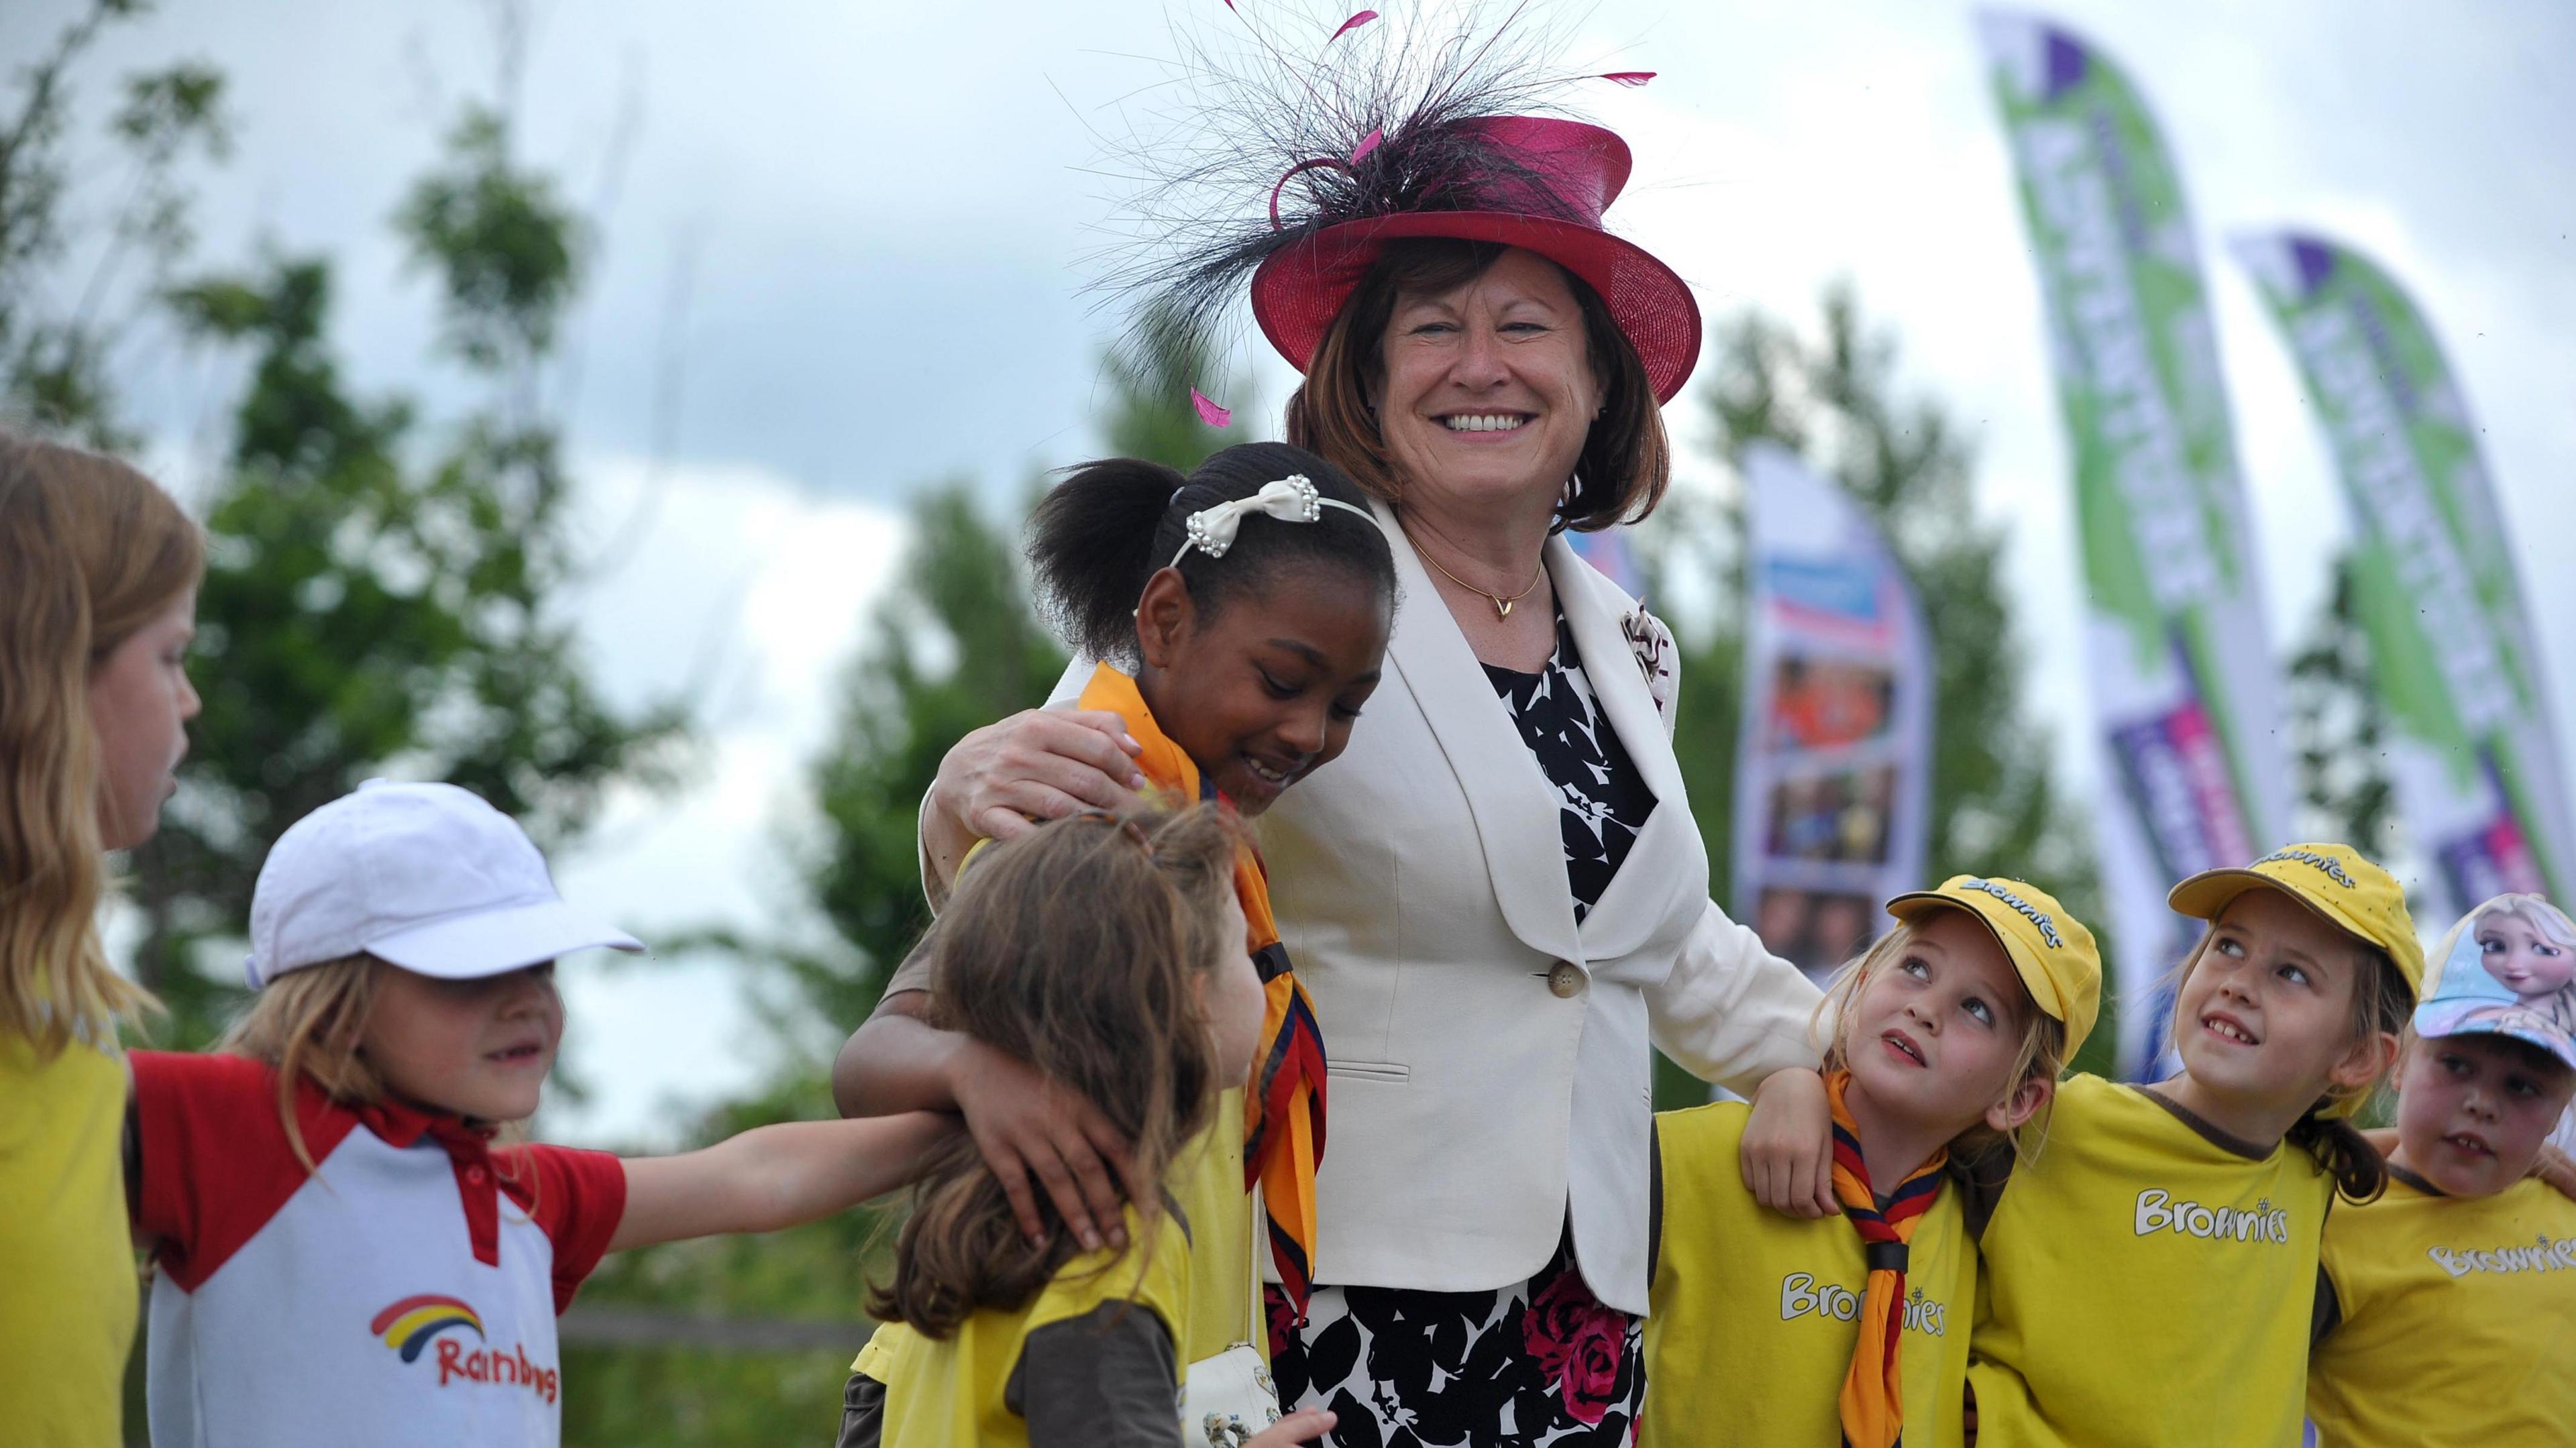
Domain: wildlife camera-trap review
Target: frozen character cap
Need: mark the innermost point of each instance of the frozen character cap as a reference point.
(2050, 950)
(424, 876)
(2467, 998)
(2354, 895)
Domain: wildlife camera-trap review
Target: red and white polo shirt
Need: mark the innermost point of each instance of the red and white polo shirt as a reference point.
(403, 1294)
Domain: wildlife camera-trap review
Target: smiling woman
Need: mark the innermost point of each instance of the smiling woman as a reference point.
(1497, 894)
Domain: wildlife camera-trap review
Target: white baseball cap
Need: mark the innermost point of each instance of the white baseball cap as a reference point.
(424, 876)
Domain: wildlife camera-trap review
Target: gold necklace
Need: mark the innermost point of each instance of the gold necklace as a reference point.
(1502, 605)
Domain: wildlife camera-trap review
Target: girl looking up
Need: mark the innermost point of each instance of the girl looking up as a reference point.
(98, 600)
(1108, 954)
(1947, 1040)
(344, 1257)
(1241, 617)
(2149, 1277)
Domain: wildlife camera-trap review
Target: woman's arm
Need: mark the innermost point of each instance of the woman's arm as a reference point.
(771, 1177)
(1038, 764)
(1734, 1013)
(1023, 1124)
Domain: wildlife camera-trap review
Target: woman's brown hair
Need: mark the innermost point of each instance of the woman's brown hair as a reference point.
(1626, 461)
(90, 551)
(1072, 948)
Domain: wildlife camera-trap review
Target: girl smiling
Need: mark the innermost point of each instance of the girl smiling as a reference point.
(2148, 1281)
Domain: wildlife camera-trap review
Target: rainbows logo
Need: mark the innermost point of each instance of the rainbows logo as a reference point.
(408, 1325)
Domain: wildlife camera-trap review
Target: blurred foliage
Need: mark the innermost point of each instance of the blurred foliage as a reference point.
(1835, 399)
(80, 276)
(381, 597)
(2338, 729)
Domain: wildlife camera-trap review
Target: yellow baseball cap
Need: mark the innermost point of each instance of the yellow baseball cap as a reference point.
(2354, 895)
(2050, 950)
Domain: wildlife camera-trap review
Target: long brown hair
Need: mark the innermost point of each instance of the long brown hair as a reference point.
(1626, 461)
(1073, 949)
(90, 551)
(2382, 1003)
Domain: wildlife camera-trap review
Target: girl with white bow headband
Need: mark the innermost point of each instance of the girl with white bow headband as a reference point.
(1240, 616)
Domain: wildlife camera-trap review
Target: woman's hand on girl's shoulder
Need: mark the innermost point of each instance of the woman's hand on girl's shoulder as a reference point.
(1038, 764)
(1303, 1426)
(1788, 1149)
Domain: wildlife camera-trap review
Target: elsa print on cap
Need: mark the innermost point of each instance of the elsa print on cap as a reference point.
(2509, 968)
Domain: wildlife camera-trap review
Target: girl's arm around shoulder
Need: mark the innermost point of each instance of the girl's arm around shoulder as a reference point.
(772, 1177)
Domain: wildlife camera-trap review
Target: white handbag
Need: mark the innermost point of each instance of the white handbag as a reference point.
(1227, 1398)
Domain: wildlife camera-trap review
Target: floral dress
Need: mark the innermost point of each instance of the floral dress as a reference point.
(1540, 1362)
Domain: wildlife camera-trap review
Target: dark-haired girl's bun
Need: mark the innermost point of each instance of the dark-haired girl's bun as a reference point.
(1098, 536)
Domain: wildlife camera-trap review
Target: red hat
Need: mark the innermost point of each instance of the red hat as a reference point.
(1548, 183)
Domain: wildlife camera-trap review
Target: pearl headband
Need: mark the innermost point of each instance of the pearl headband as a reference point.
(1291, 499)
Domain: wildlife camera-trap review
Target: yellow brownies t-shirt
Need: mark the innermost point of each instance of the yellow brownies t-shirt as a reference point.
(2147, 1281)
(2447, 1320)
(1752, 1315)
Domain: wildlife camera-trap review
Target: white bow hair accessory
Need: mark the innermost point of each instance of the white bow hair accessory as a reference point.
(1291, 499)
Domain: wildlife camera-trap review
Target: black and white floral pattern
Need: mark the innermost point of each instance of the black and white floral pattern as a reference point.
(1541, 1362)
(1605, 800)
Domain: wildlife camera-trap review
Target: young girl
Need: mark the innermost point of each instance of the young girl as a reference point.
(1948, 1037)
(1241, 615)
(2444, 1308)
(344, 1257)
(1108, 953)
(2148, 1280)
(98, 591)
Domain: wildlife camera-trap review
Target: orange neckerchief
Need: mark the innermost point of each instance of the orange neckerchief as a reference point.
(1283, 1103)
(1872, 1403)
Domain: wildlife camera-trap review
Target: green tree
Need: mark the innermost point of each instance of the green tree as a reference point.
(83, 249)
(2337, 729)
(383, 597)
(1993, 807)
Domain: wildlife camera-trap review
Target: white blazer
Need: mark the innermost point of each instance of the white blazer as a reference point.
(1478, 1093)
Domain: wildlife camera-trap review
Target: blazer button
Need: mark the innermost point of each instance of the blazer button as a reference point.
(1565, 979)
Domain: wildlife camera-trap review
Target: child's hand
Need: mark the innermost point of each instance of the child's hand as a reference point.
(1023, 1124)
(2554, 1167)
(1788, 1150)
(1303, 1426)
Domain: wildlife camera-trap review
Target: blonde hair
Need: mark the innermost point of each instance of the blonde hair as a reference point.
(2041, 1057)
(308, 1023)
(90, 551)
(2535, 911)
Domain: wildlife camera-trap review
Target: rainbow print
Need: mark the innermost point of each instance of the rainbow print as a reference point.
(408, 1325)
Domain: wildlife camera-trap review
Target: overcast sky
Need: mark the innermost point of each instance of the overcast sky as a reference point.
(861, 230)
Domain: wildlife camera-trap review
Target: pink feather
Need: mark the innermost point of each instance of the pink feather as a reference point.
(1354, 23)
(1630, 78)
(1209, 412)
(1367, 144)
